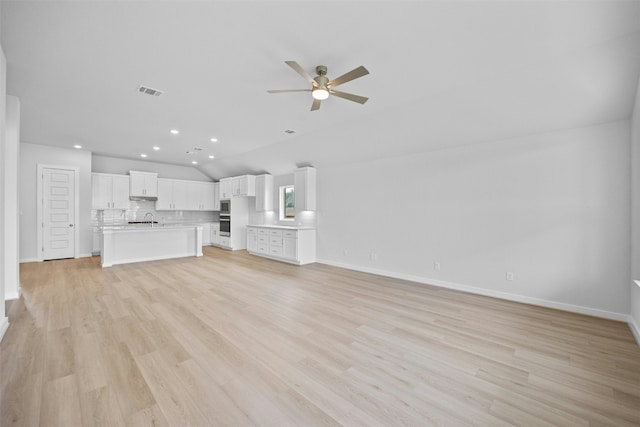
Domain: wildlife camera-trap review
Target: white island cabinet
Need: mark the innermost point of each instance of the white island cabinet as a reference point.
(295, 245)
(122, 245)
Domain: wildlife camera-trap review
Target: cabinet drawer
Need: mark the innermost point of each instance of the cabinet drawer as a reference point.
(263, 231)
(263, 239)
(224, 241)
(263, 248)
(275, 241)
(290, 233)
(276, 251)
(275, 233)
(251, 230)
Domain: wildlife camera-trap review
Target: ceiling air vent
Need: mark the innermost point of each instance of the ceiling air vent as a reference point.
(149, 91)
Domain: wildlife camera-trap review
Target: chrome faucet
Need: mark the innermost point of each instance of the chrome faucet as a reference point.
(148, 216)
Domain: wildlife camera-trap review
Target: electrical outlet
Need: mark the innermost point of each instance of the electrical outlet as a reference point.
(373, 256)
(345, 252)
(509, 276)
(436, 266)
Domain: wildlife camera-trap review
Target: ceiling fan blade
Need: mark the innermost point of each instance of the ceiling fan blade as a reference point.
(351, 75)
(349, 96)
(298, 69)
(315, 105)
(288, 90)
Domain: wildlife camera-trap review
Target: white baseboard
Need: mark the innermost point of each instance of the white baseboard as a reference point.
(487, 292)
(23, 260)
(4, 325)
(11, 296)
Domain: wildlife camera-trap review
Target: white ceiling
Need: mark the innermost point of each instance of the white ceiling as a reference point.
(442, 74)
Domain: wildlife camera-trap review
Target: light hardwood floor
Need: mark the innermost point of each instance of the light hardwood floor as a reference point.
(231, 339)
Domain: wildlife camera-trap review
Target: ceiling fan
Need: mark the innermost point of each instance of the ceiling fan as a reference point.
(322, 87)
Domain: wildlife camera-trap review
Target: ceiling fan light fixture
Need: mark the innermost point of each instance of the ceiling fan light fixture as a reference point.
(320, 93)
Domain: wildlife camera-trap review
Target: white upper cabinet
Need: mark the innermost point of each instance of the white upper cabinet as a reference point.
(109, 191)
(226, 188)
(200, 196)
(244, 185)
(172, 195)
(237, 186)
(264, 193)
(305, 189)
(143, 184)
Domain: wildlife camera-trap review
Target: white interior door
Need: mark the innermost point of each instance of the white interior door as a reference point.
(58, 213)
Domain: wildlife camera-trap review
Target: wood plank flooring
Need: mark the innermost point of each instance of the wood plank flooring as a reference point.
(235, 340)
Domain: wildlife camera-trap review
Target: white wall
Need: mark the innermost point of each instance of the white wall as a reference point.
(552, 208)
(116, 165)
(11, 219)
(4, 322)
(635, 215)
(30, 156)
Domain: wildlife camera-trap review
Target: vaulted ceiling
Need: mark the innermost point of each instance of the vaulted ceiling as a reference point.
(442, 74)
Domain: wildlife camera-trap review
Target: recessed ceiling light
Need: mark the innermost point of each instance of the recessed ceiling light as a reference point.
(211, 156)
(156, 148)
(77, 146)
(194, 162)
(174, 131)
(143, 155)
(214, 140)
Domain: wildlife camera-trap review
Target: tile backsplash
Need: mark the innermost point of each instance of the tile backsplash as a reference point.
(138, 209)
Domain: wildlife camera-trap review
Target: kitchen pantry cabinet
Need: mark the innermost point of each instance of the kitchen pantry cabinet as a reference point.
(264, 193)
(172, 195)
(109, 191)
(216, 196)
(296, 246)
(143, 184)
(305, 189)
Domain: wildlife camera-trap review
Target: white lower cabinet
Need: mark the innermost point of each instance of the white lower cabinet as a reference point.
(297, 246)
(206, 234)
(224, 241)
(252, 239)
(97, 235)
(215, 233)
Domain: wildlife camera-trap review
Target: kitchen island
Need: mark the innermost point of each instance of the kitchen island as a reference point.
(127, 244)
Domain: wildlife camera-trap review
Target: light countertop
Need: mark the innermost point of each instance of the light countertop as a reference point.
(283, 227)
(143, 227)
